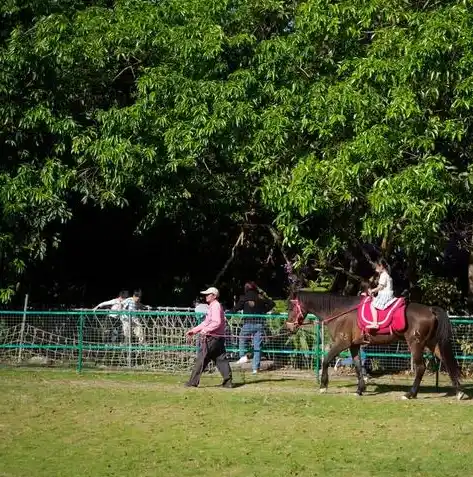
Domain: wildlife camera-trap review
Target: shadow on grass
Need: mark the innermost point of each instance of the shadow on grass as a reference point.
(256, 381)
(442, 389)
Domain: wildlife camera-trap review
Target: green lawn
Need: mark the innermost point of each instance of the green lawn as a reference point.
(56, 423)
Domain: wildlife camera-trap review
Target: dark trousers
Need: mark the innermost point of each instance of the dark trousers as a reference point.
(212, 349)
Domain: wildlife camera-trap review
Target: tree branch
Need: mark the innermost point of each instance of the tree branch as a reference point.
(232, 256)
(278, 241)
(365, 253)
(347, 273)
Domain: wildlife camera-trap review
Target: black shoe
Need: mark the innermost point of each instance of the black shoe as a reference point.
(227, 385)
(189, 385)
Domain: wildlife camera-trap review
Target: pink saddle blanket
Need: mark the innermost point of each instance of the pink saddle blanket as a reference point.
(392, 319)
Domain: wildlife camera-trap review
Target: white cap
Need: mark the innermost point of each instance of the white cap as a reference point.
(210, 291)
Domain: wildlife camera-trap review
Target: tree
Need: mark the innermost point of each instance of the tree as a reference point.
(341, 122)
(390, 127)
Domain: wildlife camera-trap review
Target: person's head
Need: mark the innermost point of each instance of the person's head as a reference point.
(211, 294)
(251, 286)
(123, 295)
(137, 295)
(382, 266)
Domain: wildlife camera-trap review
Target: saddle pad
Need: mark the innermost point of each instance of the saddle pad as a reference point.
(392, 319)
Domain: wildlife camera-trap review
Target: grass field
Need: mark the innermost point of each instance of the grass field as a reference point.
(57, 423)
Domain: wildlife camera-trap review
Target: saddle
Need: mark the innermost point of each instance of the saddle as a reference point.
(390, 320)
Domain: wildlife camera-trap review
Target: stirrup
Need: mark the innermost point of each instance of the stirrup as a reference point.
(366, 338)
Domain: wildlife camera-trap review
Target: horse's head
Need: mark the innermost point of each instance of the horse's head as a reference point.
(296, 315)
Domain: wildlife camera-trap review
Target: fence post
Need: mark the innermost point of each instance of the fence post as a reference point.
(22, 330)
(129, 341)
(317, 350)
(80, 346)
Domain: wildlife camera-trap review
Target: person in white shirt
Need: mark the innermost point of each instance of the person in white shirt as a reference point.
(115, 304)
(383, 293)
(200, 307)
(133, 304)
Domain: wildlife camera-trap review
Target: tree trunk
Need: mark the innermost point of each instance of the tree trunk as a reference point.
(470, 276)
(350, 284)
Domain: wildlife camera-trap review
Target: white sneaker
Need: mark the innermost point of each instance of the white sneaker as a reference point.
(255, 371)
(243, 360)
(337, 364)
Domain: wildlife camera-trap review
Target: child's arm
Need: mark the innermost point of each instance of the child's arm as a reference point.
(383, 281)
(378, 288)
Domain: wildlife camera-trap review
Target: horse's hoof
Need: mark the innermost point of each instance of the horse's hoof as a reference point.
(323, 390)
(460, 395)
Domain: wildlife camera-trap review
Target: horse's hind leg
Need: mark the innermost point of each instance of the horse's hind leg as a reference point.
(455, 381)
(333, 352)
(355, 354)
(419, 363)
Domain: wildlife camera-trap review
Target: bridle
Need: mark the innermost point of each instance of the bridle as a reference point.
(296, 304)
(299, 313)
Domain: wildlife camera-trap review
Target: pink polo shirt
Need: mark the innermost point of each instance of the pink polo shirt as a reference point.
(214, 323)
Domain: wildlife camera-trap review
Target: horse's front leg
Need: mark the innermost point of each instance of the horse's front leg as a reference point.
(417, 351)
(333, 352)
(355, 354)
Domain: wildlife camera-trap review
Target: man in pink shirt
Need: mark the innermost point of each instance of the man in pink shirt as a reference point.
(212, 331)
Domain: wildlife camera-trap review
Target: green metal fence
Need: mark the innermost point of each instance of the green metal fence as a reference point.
(156, 340)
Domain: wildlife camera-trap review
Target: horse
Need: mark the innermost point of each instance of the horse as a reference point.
(425, 327)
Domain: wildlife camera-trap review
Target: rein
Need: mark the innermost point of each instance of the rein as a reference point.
(297, 305)
(331, 318)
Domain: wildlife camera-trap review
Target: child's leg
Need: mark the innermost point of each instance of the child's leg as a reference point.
(374, 314)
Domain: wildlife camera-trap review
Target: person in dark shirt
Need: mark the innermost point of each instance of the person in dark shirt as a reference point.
(252, 303)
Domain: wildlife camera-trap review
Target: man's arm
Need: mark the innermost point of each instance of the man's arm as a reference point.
(106, 303)
(200, 327)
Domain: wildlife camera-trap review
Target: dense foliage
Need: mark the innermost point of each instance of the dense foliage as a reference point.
(341, 123)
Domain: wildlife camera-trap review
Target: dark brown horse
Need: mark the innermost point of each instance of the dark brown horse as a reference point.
(427, 327)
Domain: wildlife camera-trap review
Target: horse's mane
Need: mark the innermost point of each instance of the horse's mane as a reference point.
(325, 302)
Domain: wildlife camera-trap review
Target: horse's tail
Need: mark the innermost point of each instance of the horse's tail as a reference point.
(444, 335)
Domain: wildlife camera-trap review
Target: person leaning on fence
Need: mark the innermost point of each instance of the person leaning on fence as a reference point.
(212, 334)
(133, 304)
(252, 303)
(115, 304)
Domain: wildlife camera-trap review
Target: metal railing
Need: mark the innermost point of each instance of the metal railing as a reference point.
(156, 340)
